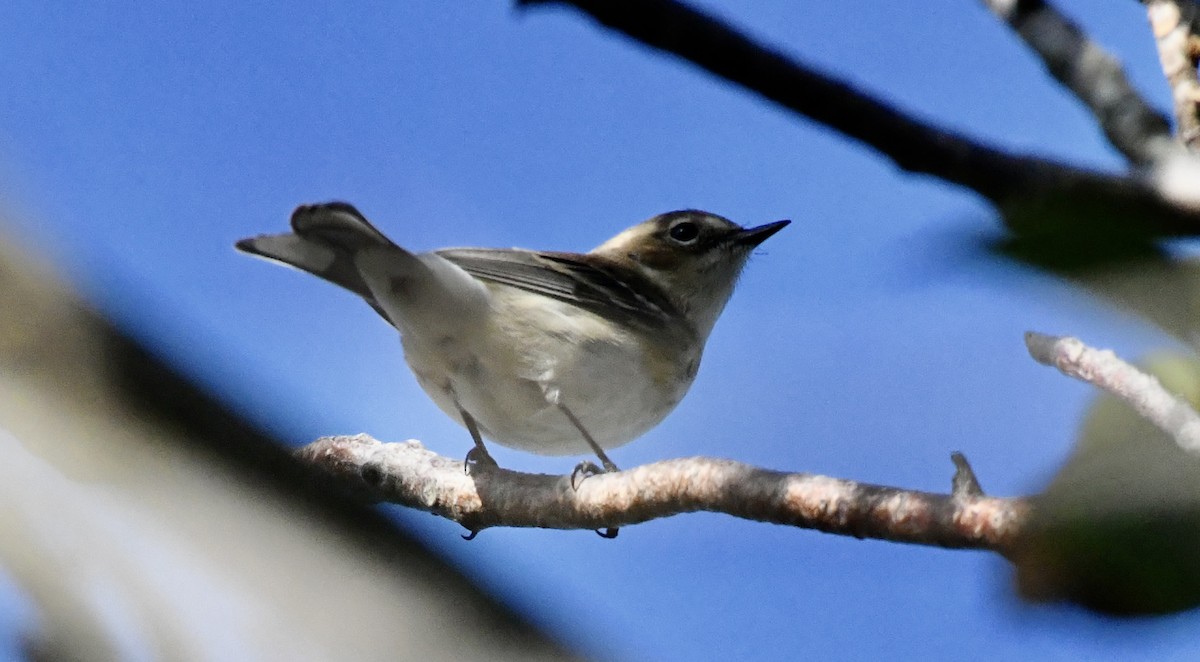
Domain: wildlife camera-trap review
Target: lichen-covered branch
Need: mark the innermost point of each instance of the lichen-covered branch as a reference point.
(1104, 369)
(1093, 75)
(1174, 26)
(409, 474)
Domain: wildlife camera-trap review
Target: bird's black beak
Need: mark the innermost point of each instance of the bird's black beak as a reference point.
(754, 236)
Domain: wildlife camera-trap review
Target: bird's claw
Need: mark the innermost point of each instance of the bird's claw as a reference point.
(583, 471)
(480, 458)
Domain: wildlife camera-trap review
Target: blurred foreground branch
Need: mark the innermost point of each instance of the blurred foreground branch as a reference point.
(1117, 529)
(143, 519)
(409, 474)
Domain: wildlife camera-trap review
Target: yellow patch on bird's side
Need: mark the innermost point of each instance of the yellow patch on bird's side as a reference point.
(670, 371)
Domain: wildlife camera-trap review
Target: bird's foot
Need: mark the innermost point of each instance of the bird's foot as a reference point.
(585, 470)
(478, 458)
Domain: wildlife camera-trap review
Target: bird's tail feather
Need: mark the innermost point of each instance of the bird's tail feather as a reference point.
(325, 240)
(333, 241)
(337, 225)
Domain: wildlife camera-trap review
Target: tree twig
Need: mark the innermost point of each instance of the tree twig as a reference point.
(964, 483)
(1103, 369)
(409, 474)
(1174, 26)
(1007, 179)
(1138, 131)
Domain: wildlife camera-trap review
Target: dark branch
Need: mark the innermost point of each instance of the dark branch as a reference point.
(1039, 187)
(408, 474)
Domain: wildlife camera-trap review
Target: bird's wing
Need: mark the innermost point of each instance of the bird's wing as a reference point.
(589, 282)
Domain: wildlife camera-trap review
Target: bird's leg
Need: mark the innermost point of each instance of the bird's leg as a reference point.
(479, 455)
(588, 468)
(608, 464)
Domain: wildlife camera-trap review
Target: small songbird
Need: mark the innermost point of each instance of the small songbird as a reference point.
(553, 353)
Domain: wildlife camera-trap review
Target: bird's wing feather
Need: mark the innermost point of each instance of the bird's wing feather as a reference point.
(591, 283)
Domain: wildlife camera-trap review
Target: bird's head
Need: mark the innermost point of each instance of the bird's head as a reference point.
(694, 256)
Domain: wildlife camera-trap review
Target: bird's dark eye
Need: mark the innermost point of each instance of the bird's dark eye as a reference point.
(684, 232)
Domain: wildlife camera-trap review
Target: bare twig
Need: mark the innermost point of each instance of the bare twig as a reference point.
(1131, 205)
(1093, 75)
(408, 474)
(964, 483)
(1105, 370)
(1174, 25)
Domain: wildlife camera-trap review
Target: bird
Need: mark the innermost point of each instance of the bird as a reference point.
(550, 352)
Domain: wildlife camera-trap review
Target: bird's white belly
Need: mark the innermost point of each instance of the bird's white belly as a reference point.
(514, 383)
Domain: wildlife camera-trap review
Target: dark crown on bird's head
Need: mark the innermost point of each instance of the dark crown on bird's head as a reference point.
(668, 240)
(694, 256)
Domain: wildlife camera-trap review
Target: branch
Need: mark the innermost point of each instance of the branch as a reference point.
(1039, 189)
(1105, 370)
(1174, 26)
(408, 474)
(1093, 75)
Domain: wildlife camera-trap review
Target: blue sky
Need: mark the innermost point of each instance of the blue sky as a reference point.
(868, 340)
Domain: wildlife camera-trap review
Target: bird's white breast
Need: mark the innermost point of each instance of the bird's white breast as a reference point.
(537, 353)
